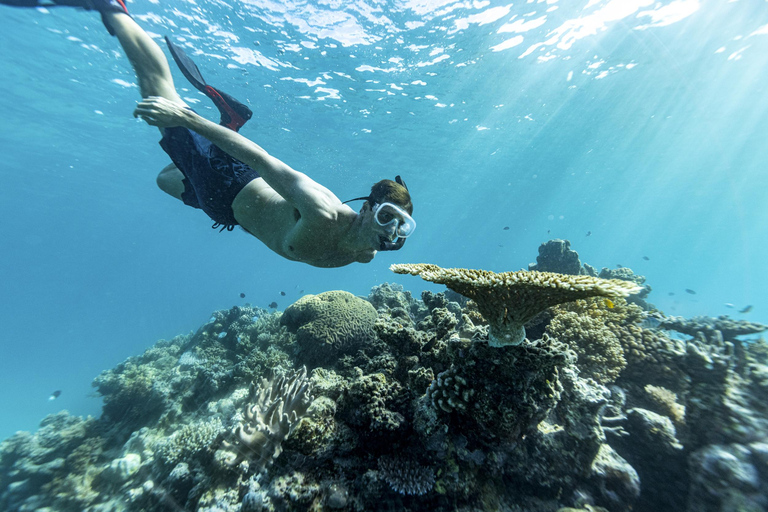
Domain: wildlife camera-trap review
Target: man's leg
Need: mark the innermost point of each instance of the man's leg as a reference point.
(147, 59)
(154, 76)
(170, 181)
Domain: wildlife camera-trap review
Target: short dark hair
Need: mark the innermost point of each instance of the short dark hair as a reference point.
(392, 192)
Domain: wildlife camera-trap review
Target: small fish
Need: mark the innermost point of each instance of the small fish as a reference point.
(692, 292)
(671, 293)
(729, 305)
(273, 305)
(746, 309)
(56, 394)
(548, 231)
(506, 228)
(242, 295)
(589, 233)
(619, 266)
(282, 293)
(608, 303)
(301, 291)
(646, 258)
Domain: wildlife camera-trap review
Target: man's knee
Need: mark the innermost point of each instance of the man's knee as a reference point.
(170, 181)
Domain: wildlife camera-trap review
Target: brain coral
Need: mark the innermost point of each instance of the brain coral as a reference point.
(329, 325)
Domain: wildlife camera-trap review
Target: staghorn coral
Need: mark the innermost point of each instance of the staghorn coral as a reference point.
(272, 413)
(510, 299)
(330, 325)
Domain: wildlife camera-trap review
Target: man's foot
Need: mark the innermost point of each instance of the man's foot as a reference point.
(103, 6)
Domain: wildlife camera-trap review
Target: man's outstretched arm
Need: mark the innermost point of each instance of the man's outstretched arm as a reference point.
(296, 187)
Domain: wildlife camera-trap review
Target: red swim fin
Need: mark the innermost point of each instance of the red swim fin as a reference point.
(234, 114)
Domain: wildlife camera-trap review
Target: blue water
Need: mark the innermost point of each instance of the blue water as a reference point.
(644, 123)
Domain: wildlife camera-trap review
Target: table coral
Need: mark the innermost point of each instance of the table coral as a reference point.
(728, 327)
(510, 299)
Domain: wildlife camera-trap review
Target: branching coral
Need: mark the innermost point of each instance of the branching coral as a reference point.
(510, 299)
(272, 413)
(188, 441)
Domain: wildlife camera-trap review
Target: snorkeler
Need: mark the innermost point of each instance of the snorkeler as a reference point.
(236, 182)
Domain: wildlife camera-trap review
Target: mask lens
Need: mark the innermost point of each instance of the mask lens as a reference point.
(388, 214)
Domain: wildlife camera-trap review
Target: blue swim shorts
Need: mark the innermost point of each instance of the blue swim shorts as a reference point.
(212, 178)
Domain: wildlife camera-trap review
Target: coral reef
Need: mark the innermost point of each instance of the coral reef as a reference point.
(510, 299)
(410, 408)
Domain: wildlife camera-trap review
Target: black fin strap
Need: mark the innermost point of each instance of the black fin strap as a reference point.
(228, 227)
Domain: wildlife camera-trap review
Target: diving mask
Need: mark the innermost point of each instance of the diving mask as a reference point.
(389, 215)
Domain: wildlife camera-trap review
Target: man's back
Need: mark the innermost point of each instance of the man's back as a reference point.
(321, 237)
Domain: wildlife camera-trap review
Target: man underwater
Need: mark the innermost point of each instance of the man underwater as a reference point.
(236, 182)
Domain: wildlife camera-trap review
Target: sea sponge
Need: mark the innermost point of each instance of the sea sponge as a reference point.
(330, 325)
(510, 299)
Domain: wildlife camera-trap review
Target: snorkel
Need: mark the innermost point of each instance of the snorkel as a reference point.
(385, 245)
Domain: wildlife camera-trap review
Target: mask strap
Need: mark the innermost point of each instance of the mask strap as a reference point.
(366, 198)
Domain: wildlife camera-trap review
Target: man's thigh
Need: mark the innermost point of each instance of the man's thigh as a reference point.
(170, 181)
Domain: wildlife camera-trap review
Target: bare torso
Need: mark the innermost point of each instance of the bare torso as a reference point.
(321, 240)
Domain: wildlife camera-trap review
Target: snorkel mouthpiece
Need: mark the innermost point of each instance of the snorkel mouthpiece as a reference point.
(386, 245)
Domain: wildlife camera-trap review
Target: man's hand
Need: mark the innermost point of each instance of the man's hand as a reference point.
(161, 112)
